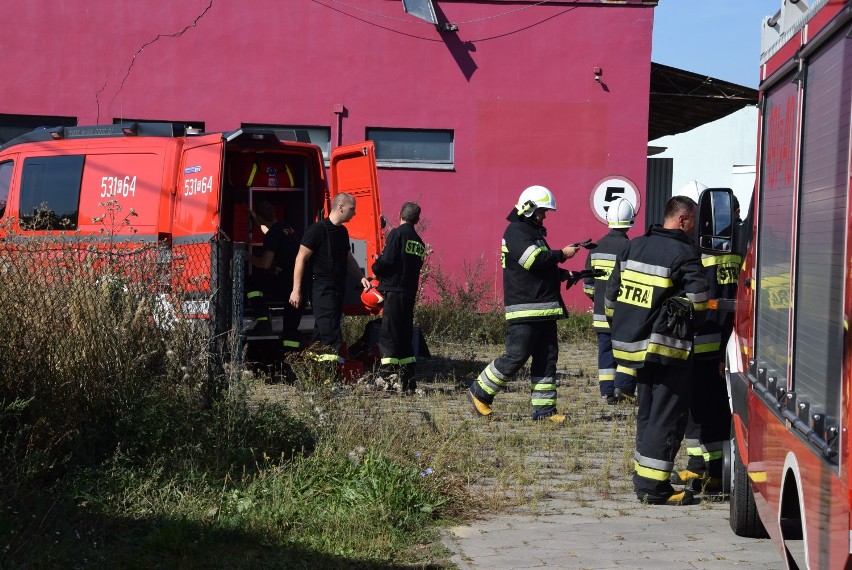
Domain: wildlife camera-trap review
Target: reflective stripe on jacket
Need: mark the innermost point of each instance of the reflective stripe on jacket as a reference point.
(603, 257)
(722, 272)
(657, 266)
(531, 273)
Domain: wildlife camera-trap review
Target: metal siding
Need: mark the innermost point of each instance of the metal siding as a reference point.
(818, 349)
(659, 189)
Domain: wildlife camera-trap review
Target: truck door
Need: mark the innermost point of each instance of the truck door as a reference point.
(197, 263)
(352, 169)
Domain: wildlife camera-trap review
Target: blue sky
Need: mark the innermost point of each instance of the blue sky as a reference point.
(719, 38)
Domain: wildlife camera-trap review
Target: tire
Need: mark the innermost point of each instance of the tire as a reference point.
(744, 520)
(727, 469)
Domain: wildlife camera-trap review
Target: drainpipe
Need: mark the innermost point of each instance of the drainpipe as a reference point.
(339, 110)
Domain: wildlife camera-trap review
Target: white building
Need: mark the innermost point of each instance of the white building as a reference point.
(719, 154)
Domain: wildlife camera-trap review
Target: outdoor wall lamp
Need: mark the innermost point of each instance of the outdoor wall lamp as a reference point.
(598, 73)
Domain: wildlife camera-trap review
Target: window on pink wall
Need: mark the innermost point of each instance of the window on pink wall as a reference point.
(318, 135)
(179, 127)
(413, 148)
(12, 126)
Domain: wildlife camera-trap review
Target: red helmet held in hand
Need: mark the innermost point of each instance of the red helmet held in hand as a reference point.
(372, 299)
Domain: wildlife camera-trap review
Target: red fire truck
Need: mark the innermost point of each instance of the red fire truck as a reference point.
(789, 359)
(187, 194)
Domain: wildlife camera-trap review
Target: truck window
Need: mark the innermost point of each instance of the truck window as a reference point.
(50, 192)
(775, 245)
(5, 181)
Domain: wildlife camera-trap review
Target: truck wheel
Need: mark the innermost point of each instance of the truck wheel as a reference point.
(727, 469)
(744, 518)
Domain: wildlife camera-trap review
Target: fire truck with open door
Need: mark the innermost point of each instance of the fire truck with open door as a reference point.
(788, 359)
(189, 195)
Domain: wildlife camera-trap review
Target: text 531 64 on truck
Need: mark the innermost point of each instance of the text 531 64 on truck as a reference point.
(189, 196)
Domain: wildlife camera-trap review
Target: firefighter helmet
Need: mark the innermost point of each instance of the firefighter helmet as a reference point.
(620, 213)
(372, 299)
(691, 189)
(533, 198)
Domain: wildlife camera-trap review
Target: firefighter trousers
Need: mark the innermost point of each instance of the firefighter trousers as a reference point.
(261, 287)
(664, 394)
(396, 341)
(538, 340)
(610, 375)
(709, 424)
(327, 303)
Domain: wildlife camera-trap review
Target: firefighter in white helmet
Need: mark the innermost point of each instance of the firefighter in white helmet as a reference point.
(708, 426)
(616, 383)
(533, 303)
(691, 189)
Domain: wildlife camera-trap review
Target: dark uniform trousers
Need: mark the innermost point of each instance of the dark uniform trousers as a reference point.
(709, 424)
(396, 341)
(265, 286)
(610, 376)
(536, 339)
(261, 287)
(664, 393)
(327, 302)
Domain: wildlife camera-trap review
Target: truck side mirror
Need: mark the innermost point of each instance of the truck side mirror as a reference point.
(716, 220)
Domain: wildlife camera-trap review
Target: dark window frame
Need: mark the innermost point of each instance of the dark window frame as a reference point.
(402, 154)
(47, 183)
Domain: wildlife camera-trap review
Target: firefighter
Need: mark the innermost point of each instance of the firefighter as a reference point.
(709, 423)
(272, 275)
(655, 288)
(326, 245)
(398, 269)
(617, 383)
(533, 303)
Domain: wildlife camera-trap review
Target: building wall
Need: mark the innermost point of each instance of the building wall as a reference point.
(515, 84)
(720, 154)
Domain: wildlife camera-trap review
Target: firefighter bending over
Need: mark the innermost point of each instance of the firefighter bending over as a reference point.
(533, 301)
(272, 276)
(655, 288)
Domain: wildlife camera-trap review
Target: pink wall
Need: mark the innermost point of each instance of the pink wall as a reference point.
(515, 84)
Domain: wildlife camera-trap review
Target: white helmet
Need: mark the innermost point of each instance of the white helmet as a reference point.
(620, 213)
(691, 189)
(533, 198)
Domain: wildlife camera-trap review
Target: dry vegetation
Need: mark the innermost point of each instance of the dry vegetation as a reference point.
(127, 443)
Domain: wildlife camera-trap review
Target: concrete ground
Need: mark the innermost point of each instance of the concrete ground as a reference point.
(616, 533)
(588, 537)
(582, 522)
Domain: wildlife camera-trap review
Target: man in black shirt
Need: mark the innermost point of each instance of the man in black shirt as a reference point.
(326, 244)
(398, 269)
(272, 275)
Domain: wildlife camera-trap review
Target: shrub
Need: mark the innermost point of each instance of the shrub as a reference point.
(82, 345)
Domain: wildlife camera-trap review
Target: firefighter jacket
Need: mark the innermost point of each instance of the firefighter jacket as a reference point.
(531, 273)
(603, 257)
(656, 267)
(398, 266)
(722, 272)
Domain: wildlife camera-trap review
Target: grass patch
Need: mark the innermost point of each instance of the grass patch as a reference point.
(131, 458)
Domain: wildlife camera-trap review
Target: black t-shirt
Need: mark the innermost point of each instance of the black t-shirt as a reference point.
(330, 245)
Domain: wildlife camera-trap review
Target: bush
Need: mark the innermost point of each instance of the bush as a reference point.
(460, 310)
(81, 346)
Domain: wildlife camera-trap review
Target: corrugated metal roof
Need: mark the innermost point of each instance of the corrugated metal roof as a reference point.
(681, 100)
